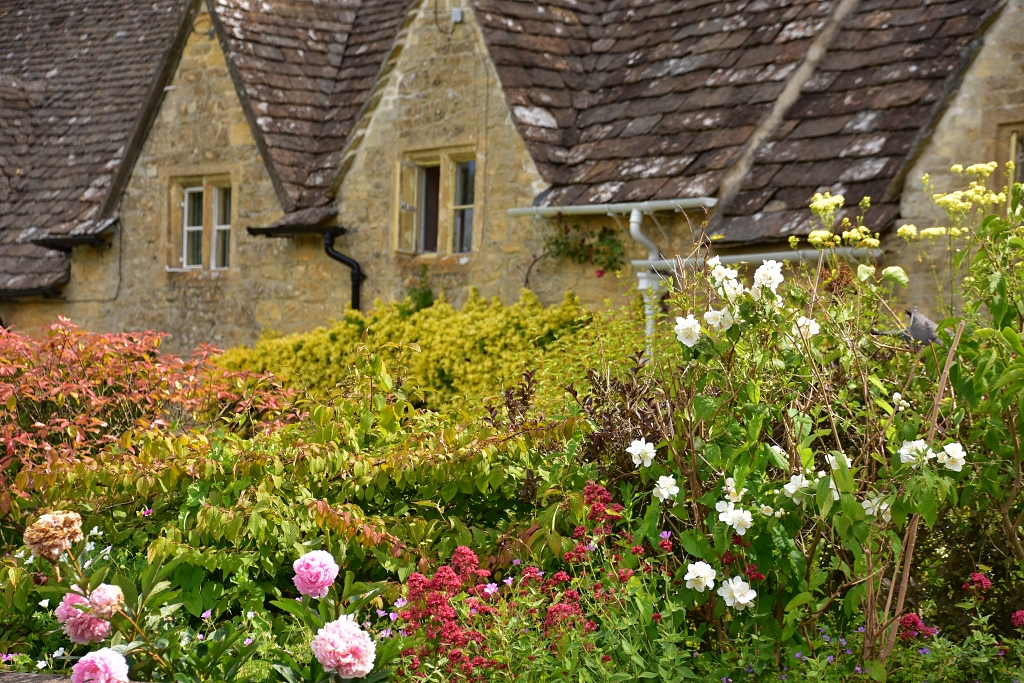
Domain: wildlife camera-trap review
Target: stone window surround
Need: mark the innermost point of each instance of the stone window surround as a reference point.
(1010, 142)
(210, 177)
(446, 158)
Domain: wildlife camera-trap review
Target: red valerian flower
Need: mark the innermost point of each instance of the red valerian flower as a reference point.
(665, 545)
(1017, 619)
(637, 550)
(977, 581)
(656, 617)
(595, 493)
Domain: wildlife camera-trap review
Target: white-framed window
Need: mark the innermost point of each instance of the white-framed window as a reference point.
(192, 229)
(462, 208)
(222, 228)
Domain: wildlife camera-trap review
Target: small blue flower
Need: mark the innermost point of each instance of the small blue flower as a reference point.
(798, 655)
(924, 651)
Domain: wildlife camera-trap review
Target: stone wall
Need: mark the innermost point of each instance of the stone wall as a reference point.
(280, 284)
(443, 95)
(990, 96)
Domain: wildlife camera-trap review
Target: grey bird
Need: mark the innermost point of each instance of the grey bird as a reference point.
(921, 330)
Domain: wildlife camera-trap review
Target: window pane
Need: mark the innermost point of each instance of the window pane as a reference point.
(223, 248)
(193, 247)
(431, 185)
(463, 231)
(194, 209)
(407, 208)
(465, 172)
(224, 206)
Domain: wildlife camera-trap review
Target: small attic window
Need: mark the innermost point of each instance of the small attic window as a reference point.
(200, 225)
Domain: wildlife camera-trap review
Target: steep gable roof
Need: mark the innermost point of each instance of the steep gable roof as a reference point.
(78, 74)
(876, 96)
(629, 101)
(304, 69)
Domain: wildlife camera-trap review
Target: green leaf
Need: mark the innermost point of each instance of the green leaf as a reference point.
(876, 670)
(696, 545)
(798, 600)
(1013, 340)
(864, 271)
(896, 274)
(776, 457)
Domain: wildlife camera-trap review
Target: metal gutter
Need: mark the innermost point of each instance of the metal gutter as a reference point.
(610, 209)
(852, 253)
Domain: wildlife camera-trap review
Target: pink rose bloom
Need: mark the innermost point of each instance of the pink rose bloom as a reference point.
(80, 626)
(315, 573)
(101, 666)
(344, 647)
(106, 600)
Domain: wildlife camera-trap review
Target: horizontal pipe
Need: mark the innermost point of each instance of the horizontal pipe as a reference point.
(787, 255)
(609, 209)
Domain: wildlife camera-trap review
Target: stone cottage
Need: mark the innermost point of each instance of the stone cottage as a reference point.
(215, 168)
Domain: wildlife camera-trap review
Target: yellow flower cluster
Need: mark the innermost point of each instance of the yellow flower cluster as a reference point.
(860, 236)
(907, 232)
(824, 206)
(823, 239)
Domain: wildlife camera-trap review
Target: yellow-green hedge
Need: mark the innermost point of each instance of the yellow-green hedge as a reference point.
(470, 353)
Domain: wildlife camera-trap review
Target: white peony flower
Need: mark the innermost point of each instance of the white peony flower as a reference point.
(953, 456)
(915, 453)
(737, 593)
(874, 507)
(666, 488)
(688, 330)
(643, 453)
(700, 576)
(805, 327)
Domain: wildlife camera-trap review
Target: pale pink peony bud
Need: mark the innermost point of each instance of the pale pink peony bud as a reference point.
(315, 573)
(106, 600)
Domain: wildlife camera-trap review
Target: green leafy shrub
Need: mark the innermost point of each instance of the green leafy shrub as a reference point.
(468, 353)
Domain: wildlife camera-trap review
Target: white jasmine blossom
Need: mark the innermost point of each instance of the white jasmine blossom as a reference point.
(700, 576)
(875, 507)
(835, 491)
(796, 483)
(20, 554)
(780, 513)
(738, 518)
(730, 491)
(730, 290)
(725, 506)
(95, 531)
(719, 320)
(805, 327)
(59, 652)
(737, 593)
(665, 488)
(953, 457)
(89, 545)
(688, 330)
(44, 603)
(899, 402)
(643, 453)
(41, 664)
(766, 510)
(834, 462)
(769, 276)
(915, 453)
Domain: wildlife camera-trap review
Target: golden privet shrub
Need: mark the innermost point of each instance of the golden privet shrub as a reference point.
(471, 352)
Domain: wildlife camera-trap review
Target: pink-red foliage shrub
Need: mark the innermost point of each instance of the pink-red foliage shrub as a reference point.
(68, 395)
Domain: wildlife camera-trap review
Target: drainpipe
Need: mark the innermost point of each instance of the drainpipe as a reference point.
(357, 273)
(650, 282)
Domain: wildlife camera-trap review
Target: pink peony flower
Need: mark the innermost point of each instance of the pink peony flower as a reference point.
(315, 573)
(101, 666)
(344, 647)
(80, 626)
(106, 600)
